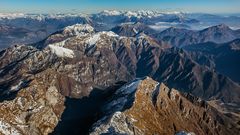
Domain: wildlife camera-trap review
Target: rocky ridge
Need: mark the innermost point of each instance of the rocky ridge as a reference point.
(36, 109)
(221, 57)
(163, 111)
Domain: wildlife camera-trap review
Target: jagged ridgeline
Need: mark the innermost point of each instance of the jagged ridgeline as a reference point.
(58, 77)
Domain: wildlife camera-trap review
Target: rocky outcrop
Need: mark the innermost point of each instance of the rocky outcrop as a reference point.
(35, 110)
(147, 107)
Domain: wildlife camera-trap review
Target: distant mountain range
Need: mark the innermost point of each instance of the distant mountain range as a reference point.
(38, 26)
(119, 72)
(183, 37)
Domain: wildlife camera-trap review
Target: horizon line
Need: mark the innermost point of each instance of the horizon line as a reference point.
(74, 11)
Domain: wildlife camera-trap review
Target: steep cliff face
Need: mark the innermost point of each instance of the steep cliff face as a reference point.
(221, 57)
(148, 107)
(35, 110)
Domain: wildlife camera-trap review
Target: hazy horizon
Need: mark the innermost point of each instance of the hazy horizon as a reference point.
(92, 6)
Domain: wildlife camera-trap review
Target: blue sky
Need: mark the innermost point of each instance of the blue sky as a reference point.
(49, 6)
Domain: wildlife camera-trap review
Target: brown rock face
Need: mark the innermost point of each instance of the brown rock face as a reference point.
(35, 110)
(156, 109)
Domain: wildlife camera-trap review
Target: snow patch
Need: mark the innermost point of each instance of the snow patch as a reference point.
(19, 102)
(109, 33)
(110, 12)
(61, 51)
(128, 88)
(40, 17)
(17, 87)
(149, 14)
(78, 29)
(123, 96)
(60, 44)
(185, 133)
(96, 37)
(135, 31)
(131, 14)
(7, 129)
(11, 15)
(93, 39)
(117, 125)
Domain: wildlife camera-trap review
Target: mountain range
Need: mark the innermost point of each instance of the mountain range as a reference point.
(183, 37)
(39, 81)
(114, 73)
(36, 27)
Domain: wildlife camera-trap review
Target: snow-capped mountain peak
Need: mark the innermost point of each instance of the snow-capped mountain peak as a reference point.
(93, 39)
(40, 17)
(138, 13)
(11, 15)
(78, 29)
(111, 12)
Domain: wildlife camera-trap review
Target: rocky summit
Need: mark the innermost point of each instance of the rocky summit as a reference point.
(80, 80)
(145, 106)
